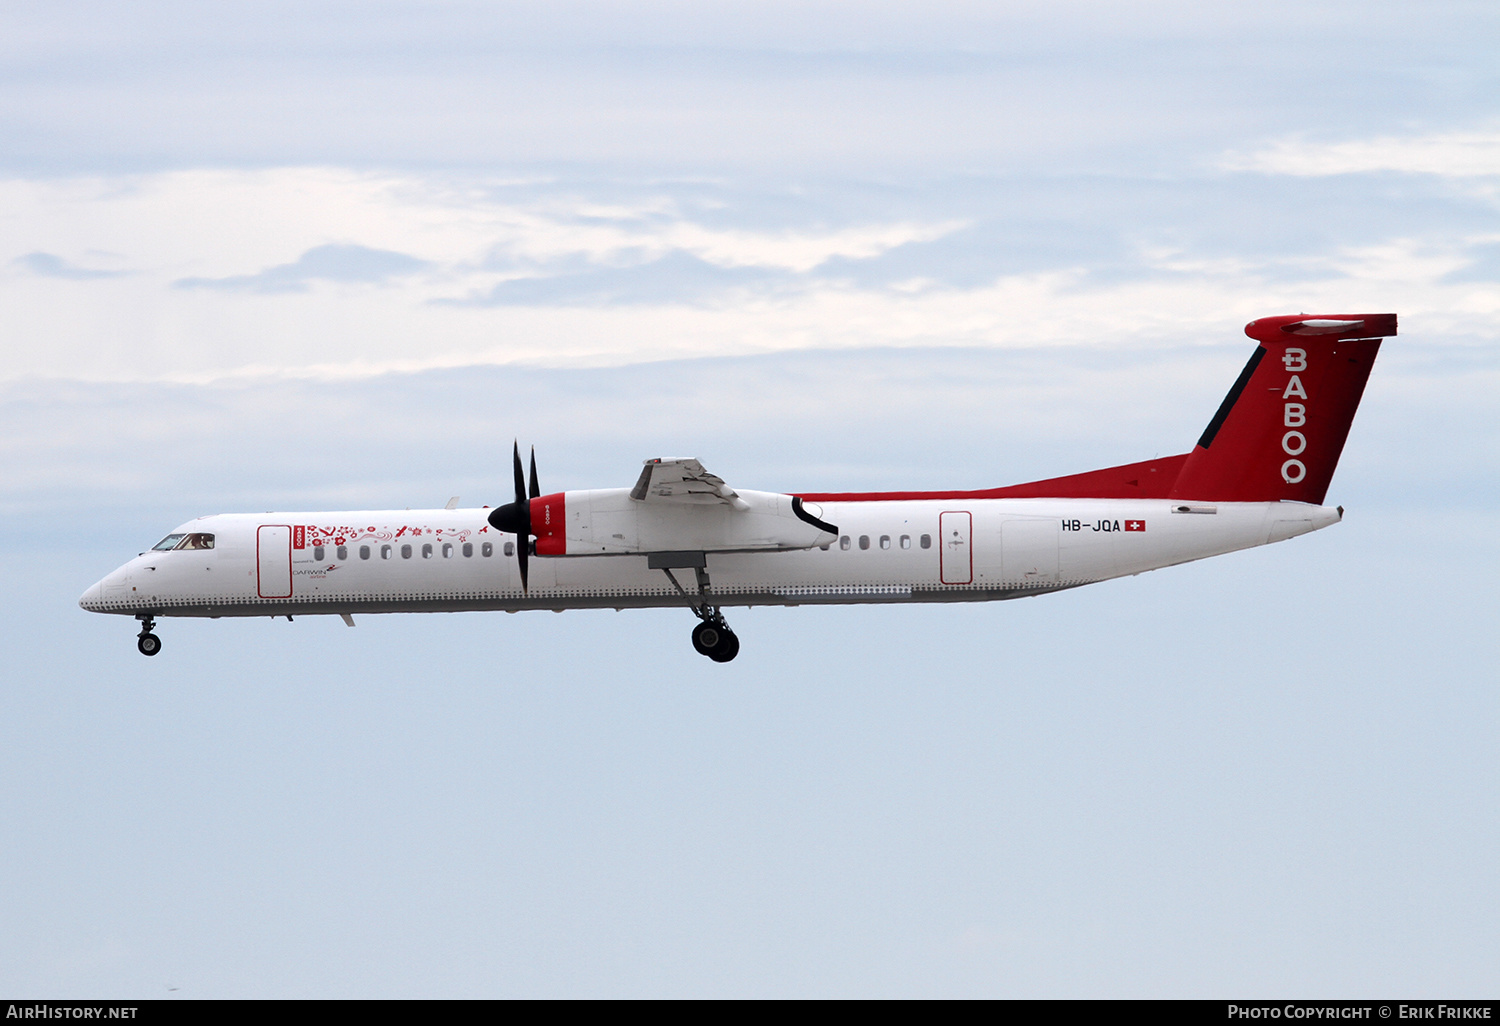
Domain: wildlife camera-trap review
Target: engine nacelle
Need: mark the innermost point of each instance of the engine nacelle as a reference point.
(610, 522)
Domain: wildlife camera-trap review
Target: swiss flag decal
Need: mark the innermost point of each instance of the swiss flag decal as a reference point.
(1135, 525)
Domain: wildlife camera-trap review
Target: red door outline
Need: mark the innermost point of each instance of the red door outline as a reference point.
(955, 530)
(273, 547)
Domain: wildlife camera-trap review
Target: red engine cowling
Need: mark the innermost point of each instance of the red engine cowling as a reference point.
(549, 524)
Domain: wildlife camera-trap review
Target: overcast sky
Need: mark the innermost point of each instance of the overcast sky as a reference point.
(327, 255)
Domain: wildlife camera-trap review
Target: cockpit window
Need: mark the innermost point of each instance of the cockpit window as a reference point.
(196, 540)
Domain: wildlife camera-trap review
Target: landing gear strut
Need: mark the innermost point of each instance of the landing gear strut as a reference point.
(712, 637)
(148, 644)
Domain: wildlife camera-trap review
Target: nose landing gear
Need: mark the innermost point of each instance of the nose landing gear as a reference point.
(147, 643)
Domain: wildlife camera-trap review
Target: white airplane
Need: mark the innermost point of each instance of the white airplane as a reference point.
(683, 537)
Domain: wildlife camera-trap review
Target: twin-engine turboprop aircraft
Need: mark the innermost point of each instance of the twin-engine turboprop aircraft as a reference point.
(683, 537)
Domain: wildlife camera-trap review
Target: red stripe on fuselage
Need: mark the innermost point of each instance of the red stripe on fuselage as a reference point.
(1150, 479)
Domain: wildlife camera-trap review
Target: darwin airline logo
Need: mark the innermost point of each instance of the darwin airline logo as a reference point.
(1294, 416)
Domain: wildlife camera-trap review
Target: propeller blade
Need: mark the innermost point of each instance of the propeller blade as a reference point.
(520, 478)
(515, 517)
(536, 488)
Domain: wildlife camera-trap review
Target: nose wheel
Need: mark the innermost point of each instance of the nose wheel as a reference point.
(714, 639)
(146, 643)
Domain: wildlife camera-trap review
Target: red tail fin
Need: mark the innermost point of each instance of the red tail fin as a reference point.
(1281, 428)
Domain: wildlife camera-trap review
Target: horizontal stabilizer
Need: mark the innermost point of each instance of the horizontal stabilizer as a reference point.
(1275, 329)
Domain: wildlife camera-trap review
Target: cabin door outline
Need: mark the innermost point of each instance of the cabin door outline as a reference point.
(956, 547)
(273, 561)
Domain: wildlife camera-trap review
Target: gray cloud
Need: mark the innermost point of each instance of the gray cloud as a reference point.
(1104, 229)
(334, 262)
(678, 277)
(755, 85)
(49, 265)
(1485, 265)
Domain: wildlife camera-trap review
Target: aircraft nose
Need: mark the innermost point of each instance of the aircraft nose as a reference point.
(92, 599)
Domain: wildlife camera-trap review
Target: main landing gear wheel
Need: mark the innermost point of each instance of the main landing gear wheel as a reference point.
(728, 648)
(706, 637)
(716, 641)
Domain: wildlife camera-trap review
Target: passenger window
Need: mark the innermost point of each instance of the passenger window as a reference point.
(364, 552)
(906, 541)
(406, 552)
(468, 549)
(844, 543)
(317, 552)
(885, 541)
(486, 550)
(426, 551)
(447, 551)
(926, 541)
(385, 552)
(342, 553)
(864, 541)
(510, 548)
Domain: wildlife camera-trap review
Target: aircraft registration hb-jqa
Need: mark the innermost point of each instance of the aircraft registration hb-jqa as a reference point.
(683, 537)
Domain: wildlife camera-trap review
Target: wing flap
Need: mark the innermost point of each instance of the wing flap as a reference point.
(683, 480)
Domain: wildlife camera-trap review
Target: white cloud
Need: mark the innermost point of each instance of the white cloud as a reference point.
(1447, 154)
(333, 273)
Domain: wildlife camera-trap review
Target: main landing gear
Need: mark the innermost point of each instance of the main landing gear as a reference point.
(712, 637)
(148, 644)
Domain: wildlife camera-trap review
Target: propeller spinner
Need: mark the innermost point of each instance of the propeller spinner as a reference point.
(515, 517)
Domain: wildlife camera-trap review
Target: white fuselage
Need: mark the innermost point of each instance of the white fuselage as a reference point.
(944, 550)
